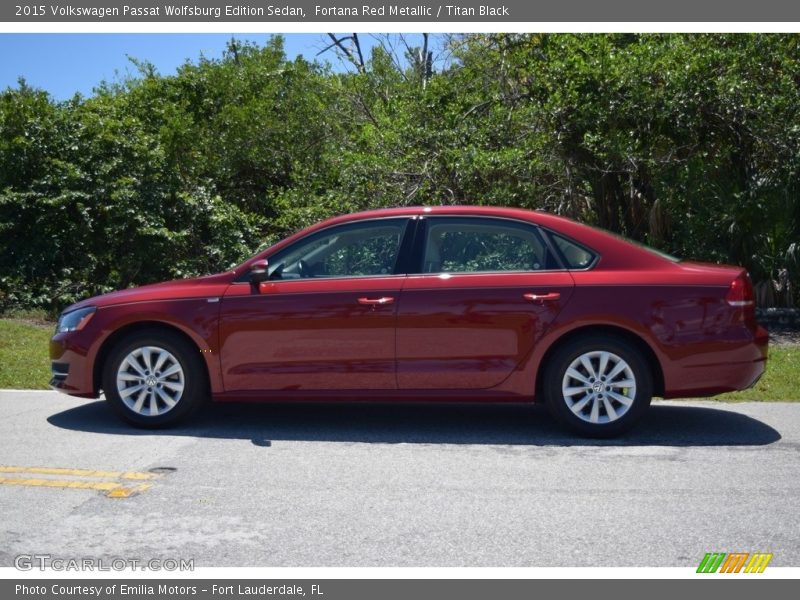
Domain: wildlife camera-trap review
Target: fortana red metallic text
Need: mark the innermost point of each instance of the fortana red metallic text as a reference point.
(443, 303)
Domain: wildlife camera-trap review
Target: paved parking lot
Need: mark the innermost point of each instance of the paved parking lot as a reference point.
(397, 485)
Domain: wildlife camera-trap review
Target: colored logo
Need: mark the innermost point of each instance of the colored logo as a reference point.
(736, 562)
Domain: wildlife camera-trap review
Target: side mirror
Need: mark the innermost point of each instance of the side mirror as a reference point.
(259, 271)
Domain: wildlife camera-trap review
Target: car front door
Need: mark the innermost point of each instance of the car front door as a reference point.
(325, 320)
(488, 290)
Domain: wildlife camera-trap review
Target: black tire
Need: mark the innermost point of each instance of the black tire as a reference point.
(567, 409)
(193, 379)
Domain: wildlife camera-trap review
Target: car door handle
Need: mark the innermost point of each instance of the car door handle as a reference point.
(376, 301)
(541, 298)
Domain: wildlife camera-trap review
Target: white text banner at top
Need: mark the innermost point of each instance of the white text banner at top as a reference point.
(366, 11)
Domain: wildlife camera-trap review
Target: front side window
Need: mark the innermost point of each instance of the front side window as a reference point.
(352, 250)
(474, 245)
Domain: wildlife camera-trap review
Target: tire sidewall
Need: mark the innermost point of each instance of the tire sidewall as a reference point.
(195, 383)
(561, 360)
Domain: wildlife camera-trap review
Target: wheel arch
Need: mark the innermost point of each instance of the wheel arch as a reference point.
(137, 327)
(608, 330)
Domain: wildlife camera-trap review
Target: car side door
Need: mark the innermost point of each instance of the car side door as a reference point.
(487, 290)
(325, 319)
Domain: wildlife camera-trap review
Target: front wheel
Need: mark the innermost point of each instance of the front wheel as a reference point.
(154, 379)
(598, 386)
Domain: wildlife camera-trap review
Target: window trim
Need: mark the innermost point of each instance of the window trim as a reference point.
(422, 239)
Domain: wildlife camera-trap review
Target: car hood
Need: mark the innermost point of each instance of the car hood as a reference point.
(198, 287)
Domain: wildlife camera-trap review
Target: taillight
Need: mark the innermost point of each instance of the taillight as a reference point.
(740, 297)
(741, 292)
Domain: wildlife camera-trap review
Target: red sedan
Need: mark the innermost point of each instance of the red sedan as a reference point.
(444, 303)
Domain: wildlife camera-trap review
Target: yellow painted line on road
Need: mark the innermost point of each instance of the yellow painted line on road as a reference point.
(124, 492)
(113, 489)
(132, 475)
(80, 479)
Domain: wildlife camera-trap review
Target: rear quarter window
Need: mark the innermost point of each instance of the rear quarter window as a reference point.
(575, 256)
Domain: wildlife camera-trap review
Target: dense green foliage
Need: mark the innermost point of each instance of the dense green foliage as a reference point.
(690, 143)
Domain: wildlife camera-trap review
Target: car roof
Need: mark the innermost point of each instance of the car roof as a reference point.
(582, 233)
(615, 252)
(535, 216)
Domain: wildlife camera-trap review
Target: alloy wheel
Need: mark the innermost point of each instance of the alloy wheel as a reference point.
(150, 381)
(599, 387)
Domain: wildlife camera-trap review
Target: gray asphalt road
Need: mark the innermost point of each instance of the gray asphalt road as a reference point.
(402, 485)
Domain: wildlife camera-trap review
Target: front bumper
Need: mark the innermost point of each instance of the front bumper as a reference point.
(71, 366)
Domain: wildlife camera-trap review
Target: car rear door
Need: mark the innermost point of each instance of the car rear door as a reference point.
(326, 318)
(488, 289)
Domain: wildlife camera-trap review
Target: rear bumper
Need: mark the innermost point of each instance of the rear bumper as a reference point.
(731, 366)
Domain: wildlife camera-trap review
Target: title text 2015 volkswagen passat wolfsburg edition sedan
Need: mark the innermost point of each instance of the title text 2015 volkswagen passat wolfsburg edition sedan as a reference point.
(445, 303)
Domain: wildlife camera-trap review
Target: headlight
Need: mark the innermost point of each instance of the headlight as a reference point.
(75, 320)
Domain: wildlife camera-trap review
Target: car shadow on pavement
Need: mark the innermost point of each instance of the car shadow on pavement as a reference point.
(410, 423)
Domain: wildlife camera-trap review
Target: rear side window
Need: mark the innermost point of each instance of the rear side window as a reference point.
(575, 256)
(474, 245)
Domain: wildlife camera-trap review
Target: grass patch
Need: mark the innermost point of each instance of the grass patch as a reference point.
(24, 353)
(37, 316)
(25, 364)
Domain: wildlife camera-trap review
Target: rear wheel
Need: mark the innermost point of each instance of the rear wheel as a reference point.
(154, 379)
(598, 386)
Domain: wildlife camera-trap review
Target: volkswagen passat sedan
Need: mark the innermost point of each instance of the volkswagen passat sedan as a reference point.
(445, 303)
